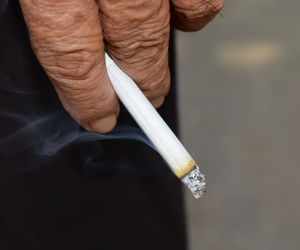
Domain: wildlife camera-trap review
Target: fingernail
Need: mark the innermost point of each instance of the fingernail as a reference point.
(158, 102)
(104, 124)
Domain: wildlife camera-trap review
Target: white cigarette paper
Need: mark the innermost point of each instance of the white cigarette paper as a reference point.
(155, 128)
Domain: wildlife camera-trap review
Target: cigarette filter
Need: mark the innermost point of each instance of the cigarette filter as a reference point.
(155, 128)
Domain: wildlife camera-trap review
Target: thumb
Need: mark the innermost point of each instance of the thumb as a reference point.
(67, 39)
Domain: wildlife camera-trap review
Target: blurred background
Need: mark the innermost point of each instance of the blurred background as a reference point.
(239, 95)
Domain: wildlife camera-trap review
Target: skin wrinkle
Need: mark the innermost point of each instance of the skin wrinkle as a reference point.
(83, 110)
(149, 34)
(88, 44)
(153, 87)
(115, 31)
(148, 24)
(153, 81)
(156, 64)
(192, 15)
(69, 39)
(70, 67)
(137, 38)
(158, 81)
(72, 76)
(149, 54)
(201, 6)
(69, 63)
(83, 67)
(141, 48)
(86, 101)
(66, 37)
(85, 87)
(129, 12)
(207, 9)
(55, 13)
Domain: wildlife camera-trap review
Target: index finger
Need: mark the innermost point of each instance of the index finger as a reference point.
(67, 38)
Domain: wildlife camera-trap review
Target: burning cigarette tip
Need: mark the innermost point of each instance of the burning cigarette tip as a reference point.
(195, 181)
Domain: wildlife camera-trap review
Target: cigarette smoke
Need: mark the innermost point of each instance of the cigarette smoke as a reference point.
(34, 127)
(51, 133)
(43, 134)
(34, 124)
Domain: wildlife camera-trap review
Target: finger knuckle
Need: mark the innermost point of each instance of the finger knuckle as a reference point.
(88, 99)
(158, 86)
(141, 40)
(89, 107)
(67, 46)
(191, 10)
(142, 46)
(131, 13)
(70, 64)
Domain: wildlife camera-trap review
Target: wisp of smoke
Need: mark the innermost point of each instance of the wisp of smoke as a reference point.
(34, 128)
(47, 135)
(56, 131)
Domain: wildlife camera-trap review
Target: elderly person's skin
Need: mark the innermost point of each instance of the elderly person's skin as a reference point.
(69, 38)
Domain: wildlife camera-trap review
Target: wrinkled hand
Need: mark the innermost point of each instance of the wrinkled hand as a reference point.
(69, 38)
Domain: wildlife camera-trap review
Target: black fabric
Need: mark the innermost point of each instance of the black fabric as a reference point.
(113, 194)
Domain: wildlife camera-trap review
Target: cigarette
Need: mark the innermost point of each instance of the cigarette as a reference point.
(155, 128)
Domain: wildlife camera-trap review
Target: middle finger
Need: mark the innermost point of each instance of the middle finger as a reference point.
(136, 35)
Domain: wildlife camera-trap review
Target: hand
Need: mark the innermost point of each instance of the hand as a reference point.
(69, 38)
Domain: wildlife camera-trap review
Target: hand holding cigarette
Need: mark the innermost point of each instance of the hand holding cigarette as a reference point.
(70, 37)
